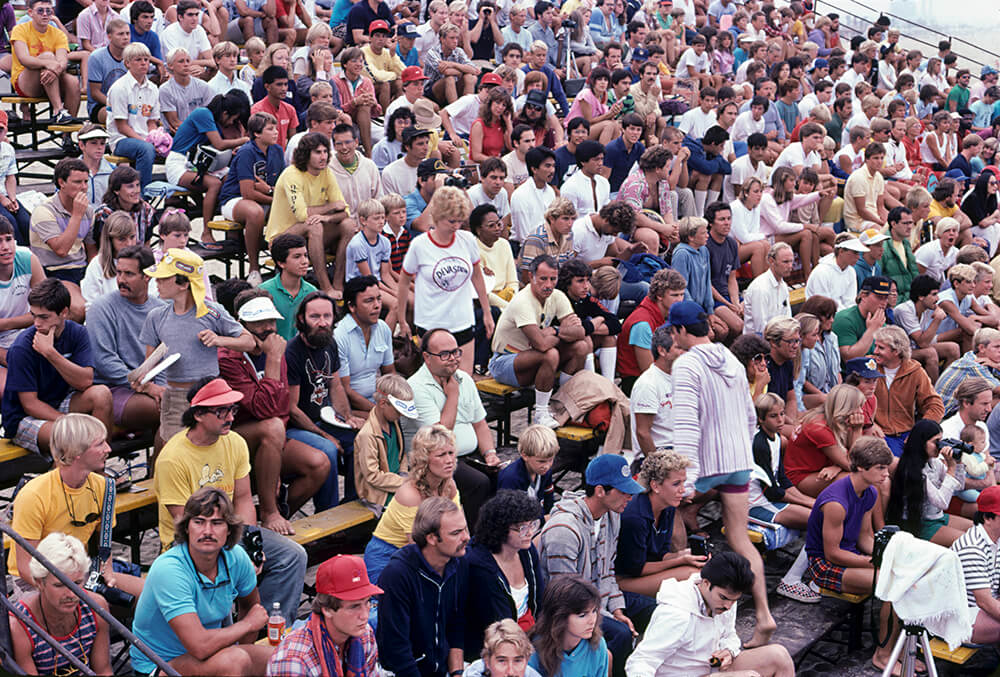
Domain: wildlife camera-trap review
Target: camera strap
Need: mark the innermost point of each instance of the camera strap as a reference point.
(107, 516)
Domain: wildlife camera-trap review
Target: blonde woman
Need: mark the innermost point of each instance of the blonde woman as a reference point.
(99, 279)
(432, 469)
(811, 331)
(445, 292)
(317, 37)
(652, 545)
(817, 454)
(276, 54)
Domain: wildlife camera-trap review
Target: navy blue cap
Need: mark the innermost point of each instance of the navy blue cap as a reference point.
(865, 367)
(819, 63)
(406, 30)
(878, 284)
(612, 470)
(685, 313)
(956, 174)
(640, 53)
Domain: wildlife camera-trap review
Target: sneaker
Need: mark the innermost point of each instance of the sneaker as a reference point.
(544, 417)
(63, 117)
(254, 279)
(799, 591)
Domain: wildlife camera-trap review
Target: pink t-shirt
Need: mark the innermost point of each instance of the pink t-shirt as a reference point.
(597, 108)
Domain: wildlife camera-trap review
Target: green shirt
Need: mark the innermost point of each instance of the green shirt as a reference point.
(849, 327)
(392, 454)
(959, 94)
(285, 304)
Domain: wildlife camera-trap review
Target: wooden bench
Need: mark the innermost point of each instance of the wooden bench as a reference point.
(11, 452)
(31, 125)
(959, 656)
(117, 159)
(506, 393)
(755, 537)
(335, 520)
(64, 129)
(797, 296)
(856, 617)
(578, 435)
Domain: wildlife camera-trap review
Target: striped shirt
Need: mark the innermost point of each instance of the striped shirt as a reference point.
(400, 245)
(980, 564)
(79, 642)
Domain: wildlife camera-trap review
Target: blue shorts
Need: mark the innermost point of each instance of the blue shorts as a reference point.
(729, 483)
(502, 369)
(767, 514)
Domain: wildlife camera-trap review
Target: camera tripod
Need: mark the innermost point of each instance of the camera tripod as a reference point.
(906, 645)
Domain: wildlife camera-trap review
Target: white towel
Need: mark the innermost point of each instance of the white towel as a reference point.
(925, 585)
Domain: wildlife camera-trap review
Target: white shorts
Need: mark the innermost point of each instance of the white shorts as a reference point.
(227, 209)
(176, 165)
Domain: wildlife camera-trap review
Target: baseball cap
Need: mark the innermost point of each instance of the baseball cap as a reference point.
(378, 25)
(989, 500)
(684, 313)
(216, 393)
(865, 367)
(612, 470)
(491, 79)
(640, 53)
(258, 309)
(188, 264)
(819, 63)
(407, 30)
(410, 133)
(871, 236)
(876, 283)
(535, 97)
(345, 577)
(430, 167)
(412, 73)
(987, 70)
(853, 244)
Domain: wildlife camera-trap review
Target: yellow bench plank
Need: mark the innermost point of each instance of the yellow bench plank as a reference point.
(133, 500)
(959, 656)
(846, 596)
(797, 296)
(23, 99)
(224, 225)
(329, 522)
(494, 387)
(10, 451)
(575, 433)
(117, 159)
(65, 129)
(755, 536)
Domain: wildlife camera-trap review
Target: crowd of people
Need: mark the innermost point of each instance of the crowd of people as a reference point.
(605, 205)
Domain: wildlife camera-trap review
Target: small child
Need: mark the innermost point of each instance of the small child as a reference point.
(532, 472)
(978, 465)
(174, 230)
(255, 54)
(369, 253)
(396, 232)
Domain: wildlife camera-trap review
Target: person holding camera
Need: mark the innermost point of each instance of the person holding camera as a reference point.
(929, 473)
(184, 613)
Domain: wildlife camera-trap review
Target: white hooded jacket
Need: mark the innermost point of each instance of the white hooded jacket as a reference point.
(681, 636)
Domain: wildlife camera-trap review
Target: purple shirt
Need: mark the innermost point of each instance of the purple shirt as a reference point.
(842, 492)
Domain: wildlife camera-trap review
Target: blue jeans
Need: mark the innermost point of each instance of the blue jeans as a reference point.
(377, 556)
(283, 574)
(326, 496)
(141, 153)
(346, 439)
(21, 220)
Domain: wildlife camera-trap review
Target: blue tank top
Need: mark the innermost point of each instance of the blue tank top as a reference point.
(79, 643)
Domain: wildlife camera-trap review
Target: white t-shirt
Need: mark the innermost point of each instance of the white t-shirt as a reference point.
(690, 58)
(934, 260)
(581, 191)
(195, 42)
(443, 281)
(399, 177)
(808, 102)
(463, 112)
(401, 102)
(742, 171)
(906, 317)
(794, 155)
(588, 244)
(426, 40)
(696, 122)
(527, 209)
(517, 170)
(501, 202)
(651, 394)
(745, 125)
(857, 159)
(133, 102)
(827, 279)
(952, 426)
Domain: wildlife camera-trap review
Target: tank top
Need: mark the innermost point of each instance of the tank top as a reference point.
(79, 643)
(493, 142)
(14, 293)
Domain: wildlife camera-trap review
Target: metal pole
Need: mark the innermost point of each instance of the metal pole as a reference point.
(111, 620)
(49, 639)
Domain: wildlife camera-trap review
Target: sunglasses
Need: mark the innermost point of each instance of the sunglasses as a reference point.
(90, 518)
(759, 357)
(224, 412)
(44, 11)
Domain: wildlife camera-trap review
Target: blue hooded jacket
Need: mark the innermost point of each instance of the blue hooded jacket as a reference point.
(694, 265)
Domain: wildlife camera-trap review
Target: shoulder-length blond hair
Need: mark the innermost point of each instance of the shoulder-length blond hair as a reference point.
(429, 439)
(118, 225)
(840, 403)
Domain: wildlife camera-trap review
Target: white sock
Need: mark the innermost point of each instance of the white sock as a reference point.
(607, 358)
(699, 202)
(798, 568)
(563, 377)
(542, 398)
(713, 195)
(588, 364)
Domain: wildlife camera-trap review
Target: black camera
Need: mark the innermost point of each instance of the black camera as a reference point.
(568, 23)
(253, 543)
(457, 180)
(880, 541)
(699, 546)
(95, 583)
(958, 447)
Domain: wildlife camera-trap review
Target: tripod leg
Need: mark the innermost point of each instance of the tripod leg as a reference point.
(909, 656)
(896, 650)
(928, 656)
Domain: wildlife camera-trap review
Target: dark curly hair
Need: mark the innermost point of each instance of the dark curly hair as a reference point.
(498, 514)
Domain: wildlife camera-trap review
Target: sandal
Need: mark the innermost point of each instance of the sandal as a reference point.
(212, 246)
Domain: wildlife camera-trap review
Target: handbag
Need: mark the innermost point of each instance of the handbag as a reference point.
(207, 158)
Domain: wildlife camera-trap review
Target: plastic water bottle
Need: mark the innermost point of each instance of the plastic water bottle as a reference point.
(275, 625)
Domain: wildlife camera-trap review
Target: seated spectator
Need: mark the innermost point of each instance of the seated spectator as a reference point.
(983, 361)
(753, 243)
(841, 527)
(591, 524)
(62, 227)
(492, 121)
(531, 471)
(226, 55)
(855, 327)
(369, 254)
(289, 287)
(695, 627)
(635, 353)
(363, 341)
(652, 546)
(724, 264)
(767, 297)
(337, 632)
(975, 402)
(927, 476)
(395, 230)
(20, 271)
(505, 575)
(691, 259)
(784, 336)
(586, 188)
(390, 148)
(864, 193)
(495, 252)
(707, 166)
(357, 94)
(489, 190)
(88, 636)
(581, 650)
(823, 359)
(908, 396)
(621, 154)
(553, 239)
(752, 351)
(428, 180)
(383, 63)
(182, 93)
(40, 53)
(961, 307)
(898, 262)
(382, 464)
(776, 206)
(592, 105)
(422, 610)
(529, 347)
(937, 256)
(976, 550)
(836, 277)
(101, 278)
(505, 649)
(186, 626)
(50, 372)
(133, 117)
(187, 33)
(646, 96)
(920, 318)
(123, 193)
(600, 326)
(647, 191)
(531, 199)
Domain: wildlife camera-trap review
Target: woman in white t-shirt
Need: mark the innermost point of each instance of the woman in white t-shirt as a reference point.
(937, 256)
(444, 263)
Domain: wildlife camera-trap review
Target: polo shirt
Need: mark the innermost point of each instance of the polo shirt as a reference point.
(588, 244)
(174, 587)
(149, 38)
(861, 184)
(50, 220)
(587, 195)
(849, 327)
(362, 361)
(286, 304)
(620, 161)
(251, 163)
(415, 206)
(134, 102)
(288, 119)
(765, 299)
(782, 377)
(640, 539)
(430, 398)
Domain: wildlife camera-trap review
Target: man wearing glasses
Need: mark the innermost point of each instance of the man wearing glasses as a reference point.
(41, 55)
(444, 394)
(208, 453)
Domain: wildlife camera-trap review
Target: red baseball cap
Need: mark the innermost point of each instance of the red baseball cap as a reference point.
(378, 25)
(216, 393)
(412, 74)
(345, 577)
(989, 500)
(491, 79)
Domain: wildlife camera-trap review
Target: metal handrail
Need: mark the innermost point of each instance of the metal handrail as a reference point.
(49, 639)
(78, 591)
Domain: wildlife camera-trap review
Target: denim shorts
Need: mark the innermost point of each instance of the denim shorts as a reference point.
(502, 369)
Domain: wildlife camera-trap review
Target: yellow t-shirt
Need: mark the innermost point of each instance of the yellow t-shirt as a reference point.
(396, 523)
(938, 210)
(182, 468)
(49, 41)
(294, 193)
(44, 504)
(524, 309)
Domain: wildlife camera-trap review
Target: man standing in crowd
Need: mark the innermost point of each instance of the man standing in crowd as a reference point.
(650, 403)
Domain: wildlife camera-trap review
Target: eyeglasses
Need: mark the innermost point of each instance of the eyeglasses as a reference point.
(44, 11)
(792, 342)
(759, 357)
(448, 354)
(224, 412)
(527, 529)
(91, 517)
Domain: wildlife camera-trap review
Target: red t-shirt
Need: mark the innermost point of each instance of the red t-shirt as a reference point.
(804, 454)
(288, 119)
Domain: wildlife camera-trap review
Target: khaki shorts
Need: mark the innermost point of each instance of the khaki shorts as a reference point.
(173, 404)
